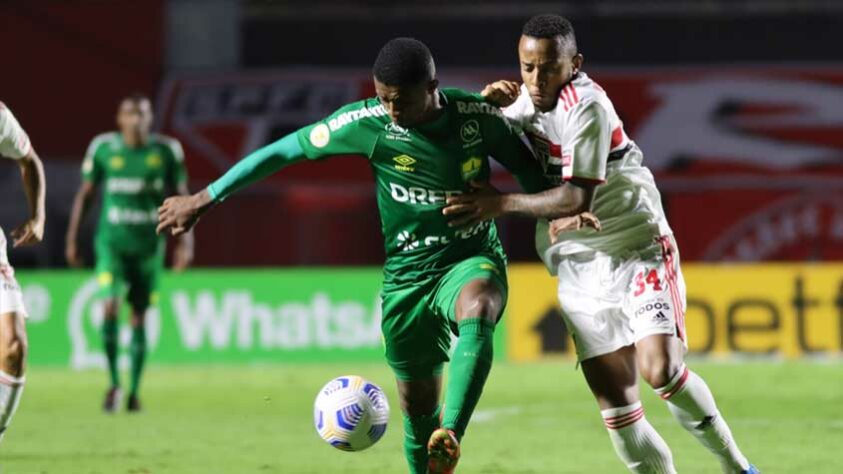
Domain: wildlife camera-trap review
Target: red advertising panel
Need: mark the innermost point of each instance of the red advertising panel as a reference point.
(749, 160)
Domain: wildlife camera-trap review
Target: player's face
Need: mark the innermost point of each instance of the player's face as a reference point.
(135, 117)
(407, 105)
(546, 66)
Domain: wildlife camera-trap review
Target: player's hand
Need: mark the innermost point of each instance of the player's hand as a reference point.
(29, 233)
(501, 93)
(566, 224)
(182, 256)
(71, 253)
(180, 213)
(483, 203)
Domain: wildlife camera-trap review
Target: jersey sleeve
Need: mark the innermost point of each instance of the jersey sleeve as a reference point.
(587, 144)
(507, 148)
(340, 133)
(178, 170)
(256, 166)
(92, 164)
(14, 143)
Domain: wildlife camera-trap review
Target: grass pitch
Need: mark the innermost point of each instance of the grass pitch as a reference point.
(535, 418)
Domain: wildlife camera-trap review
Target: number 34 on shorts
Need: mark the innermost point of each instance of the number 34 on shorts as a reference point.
(656, 298)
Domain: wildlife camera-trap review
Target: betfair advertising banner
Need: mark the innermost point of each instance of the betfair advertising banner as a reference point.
(218, 316)
(780, 310)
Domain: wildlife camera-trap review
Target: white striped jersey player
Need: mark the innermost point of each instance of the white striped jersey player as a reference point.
(621, 284)
(14, 144)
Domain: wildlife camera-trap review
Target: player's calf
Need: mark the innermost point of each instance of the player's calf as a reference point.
(137, 353)
(478, 306)
(613, 379)
(636, 442)
(420, 406)
(689, 399)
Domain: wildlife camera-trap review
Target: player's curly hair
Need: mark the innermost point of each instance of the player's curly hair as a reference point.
(550, 26)
(404, 61)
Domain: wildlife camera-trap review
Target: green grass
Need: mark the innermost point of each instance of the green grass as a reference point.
(536, 418)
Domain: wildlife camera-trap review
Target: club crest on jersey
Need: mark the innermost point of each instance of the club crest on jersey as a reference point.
(153, 161)
(397, 132)
(470, 133)
(404, 163)
(117, 162)
(320, 136)
(470, 168)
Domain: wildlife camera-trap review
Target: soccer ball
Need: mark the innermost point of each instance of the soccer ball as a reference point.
(350, 413)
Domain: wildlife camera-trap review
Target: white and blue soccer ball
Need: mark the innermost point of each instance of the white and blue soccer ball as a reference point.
(351, 413)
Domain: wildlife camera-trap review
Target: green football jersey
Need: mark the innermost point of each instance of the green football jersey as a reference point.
(416, 169)
(135, 182)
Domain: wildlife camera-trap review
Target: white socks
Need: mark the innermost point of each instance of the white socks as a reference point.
(691, 402)
(636, 441)
(11, 389)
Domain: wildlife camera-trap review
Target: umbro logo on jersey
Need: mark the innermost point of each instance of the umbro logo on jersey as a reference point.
(117, 162)
(404, 163)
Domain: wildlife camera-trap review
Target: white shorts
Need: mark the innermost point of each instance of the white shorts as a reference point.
(609, 303)
(11, 298)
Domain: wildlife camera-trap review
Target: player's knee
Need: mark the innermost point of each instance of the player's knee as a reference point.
(14, 353)
(110, 309)
(658, 369)
(486, 303)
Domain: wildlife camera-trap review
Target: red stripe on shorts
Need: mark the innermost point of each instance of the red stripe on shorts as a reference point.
(670, 270)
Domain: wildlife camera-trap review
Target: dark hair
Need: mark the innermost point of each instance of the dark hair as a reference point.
(404, 61)
(550, 26)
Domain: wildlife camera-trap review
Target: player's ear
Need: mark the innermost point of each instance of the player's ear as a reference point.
(577, 61)
(432, 85)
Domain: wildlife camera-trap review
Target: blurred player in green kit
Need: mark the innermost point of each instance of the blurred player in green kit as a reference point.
(137, 170)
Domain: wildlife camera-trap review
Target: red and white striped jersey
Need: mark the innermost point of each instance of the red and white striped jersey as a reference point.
(14, 144)
(583, 139)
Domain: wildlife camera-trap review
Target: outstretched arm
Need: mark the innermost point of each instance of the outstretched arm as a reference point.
(180, 213)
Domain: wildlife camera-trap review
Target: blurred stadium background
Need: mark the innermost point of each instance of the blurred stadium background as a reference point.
(738, 106)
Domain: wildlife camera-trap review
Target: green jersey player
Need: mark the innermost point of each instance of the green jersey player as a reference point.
(424, 145)
(137, 170)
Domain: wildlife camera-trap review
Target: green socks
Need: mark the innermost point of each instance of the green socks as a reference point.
(417, 431)
(137, 351)
(470, 365)
(109, 337)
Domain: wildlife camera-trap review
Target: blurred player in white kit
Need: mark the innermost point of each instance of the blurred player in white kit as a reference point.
(14, 144)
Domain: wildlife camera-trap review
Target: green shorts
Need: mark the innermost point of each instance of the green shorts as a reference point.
(418, 320)
(135, 276)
